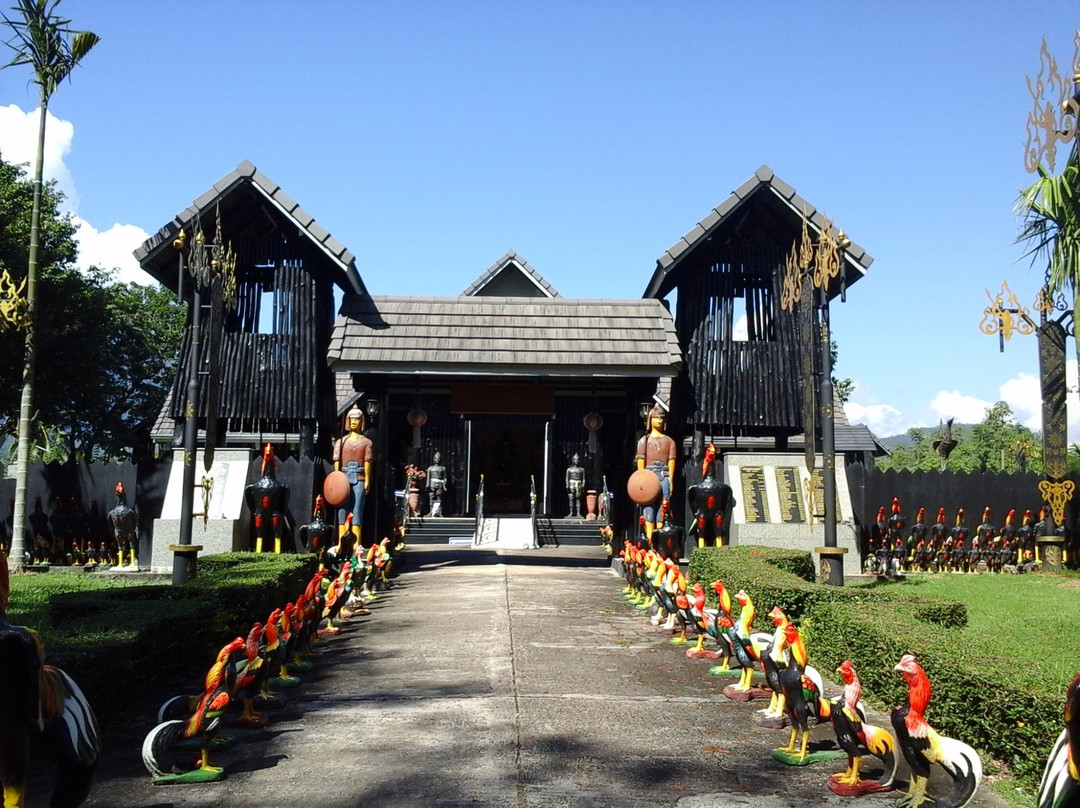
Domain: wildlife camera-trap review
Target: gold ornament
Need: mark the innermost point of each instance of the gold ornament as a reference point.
(1057, 495)
(1006, 315)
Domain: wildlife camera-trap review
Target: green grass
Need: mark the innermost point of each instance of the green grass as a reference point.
(1019, 622)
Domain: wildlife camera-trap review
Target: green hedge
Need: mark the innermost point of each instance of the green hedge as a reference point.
(138, 643)
(979, 699)
(973, 697)
(787, 578)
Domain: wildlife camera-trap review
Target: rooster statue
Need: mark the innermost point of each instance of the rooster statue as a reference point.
(667, 537)
(859, 739)
(317, 535)
(38, 700)
(804, 699)
(168, 749)
(923, 746)
(124, 521)
(747, 647)
(268, 499)
(1060, 785)
(711, 501)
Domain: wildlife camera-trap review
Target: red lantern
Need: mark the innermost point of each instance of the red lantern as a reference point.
(593, 421)
(416, 418)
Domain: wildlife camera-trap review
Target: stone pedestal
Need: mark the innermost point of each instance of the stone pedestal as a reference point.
(1052, 551)
(223, 530)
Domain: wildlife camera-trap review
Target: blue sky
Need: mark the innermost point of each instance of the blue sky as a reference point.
(432, 137)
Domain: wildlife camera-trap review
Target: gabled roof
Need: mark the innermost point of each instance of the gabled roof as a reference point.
(515, 264)
(768, 196)
(262, 206)
(504, 336)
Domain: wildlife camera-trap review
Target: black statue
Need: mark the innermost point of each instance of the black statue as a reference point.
(268, 499)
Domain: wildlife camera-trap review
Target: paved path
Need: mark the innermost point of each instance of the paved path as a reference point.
(520, 679)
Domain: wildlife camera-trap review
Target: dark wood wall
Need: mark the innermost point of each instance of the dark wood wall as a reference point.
(738, 387)
(273, 371)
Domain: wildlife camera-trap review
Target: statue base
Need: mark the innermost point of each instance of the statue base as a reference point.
(856, 789)
(763, 719)
(211, 774)
(755, 692)
(720, 670)
(704, 653)
(818, 756)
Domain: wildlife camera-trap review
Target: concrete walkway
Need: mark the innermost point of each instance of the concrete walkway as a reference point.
(497, 679)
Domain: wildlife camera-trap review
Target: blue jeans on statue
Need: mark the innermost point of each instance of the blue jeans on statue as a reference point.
(354, 472)
(650, 512)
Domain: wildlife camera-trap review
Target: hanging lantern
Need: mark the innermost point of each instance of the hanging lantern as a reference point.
(416, 418)
(593, 421)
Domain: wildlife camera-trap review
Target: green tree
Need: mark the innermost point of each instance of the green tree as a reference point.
(111, 347)
(44, 41)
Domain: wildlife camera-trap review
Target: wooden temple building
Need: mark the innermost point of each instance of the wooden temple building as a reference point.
(509, 380)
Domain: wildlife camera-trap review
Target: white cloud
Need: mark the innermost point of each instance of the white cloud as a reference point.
(883, 420)
(107, 249)
(18, 144)
(112, 249)
(963, 408)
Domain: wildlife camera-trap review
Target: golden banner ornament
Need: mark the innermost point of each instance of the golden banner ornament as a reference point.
(1057, 495)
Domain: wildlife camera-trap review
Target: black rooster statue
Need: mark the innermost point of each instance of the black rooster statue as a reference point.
(40, 701)
(944, 443)
(1060, 785)
(317, 535)
(667, 538)
(923, 746)
(268, 499)
(711, 501)
(124, 522)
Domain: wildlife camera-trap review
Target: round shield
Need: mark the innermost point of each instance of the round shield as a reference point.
(643, 487)
(336, 488)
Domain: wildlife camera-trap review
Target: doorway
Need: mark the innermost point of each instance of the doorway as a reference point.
(507, 451)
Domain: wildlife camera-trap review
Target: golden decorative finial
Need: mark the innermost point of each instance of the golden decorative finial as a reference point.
(181, 240)
(1006, 315)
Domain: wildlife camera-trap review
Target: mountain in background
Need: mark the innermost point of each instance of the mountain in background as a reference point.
(931, 433)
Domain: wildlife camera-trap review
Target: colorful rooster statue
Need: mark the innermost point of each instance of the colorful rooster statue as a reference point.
(40, 701)
(859, 739)
(1060, 785)
(804, 701)
(747, 647)
(923, 746)
(168, 748)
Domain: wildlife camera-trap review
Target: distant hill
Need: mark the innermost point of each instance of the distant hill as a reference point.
(931, 433)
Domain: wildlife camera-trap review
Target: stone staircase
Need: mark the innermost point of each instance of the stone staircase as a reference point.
(440, 530)
(557, 532)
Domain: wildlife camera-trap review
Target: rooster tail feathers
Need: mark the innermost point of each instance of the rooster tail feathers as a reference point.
(157, 745)
(1056, 780)
(964, 767)
(74, 729)
(882, 744)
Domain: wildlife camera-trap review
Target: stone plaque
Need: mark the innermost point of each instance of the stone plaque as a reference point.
(791, 501)
(755, 501)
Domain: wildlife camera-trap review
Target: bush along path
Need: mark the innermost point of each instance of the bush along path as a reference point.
(239, 688)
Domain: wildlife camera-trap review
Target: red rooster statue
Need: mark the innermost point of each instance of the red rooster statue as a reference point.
(711, 501)
(124, 521)
(1060, 785)
(168, 748)
(923, 746)
(38, 700)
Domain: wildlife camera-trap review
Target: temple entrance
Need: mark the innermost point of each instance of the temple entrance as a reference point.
(507, 451)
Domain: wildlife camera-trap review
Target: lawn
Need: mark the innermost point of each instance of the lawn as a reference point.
(1019, 622)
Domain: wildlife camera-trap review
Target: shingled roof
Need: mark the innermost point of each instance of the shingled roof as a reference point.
(253, 195)
(515, 264)
(776, 198)
(504, 336)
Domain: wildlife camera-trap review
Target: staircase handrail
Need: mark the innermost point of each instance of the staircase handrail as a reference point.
(479, 512)
(605, 502)
(532, 511)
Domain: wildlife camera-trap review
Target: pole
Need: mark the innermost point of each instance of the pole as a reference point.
(835, 572)
(184, 561)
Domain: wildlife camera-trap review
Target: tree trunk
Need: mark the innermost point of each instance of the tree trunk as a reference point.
(22, 462)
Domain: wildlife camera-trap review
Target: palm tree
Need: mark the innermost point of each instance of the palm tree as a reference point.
(1050, 208)
(46, 42)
